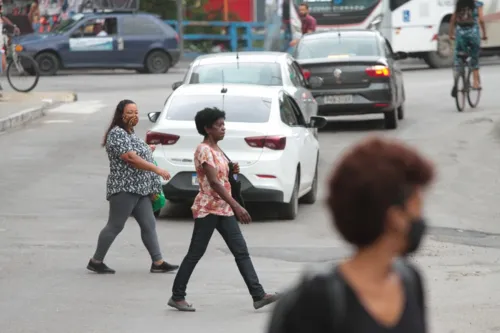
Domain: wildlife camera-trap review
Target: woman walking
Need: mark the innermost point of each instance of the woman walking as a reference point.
(214, 209)
(132, 182)
(376, 200)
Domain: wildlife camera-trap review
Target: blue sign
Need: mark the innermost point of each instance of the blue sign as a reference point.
(406, 15)
(338, 2)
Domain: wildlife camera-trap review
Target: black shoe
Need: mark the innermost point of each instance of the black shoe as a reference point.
(266, 300)
(454, 92)
(165, 267)
(99, 268)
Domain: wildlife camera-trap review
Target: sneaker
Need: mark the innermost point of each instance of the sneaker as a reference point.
(165, 267)
(99, 268)
(266, 300)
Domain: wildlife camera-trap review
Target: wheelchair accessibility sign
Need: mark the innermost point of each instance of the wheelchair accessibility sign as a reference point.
(406, 16)
(91, 44)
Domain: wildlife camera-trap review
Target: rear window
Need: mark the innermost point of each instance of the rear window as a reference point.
(343, 46)
(237, 108)
(261, 73)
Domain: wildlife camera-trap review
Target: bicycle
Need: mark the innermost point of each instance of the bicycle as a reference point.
(19, 65)
(464, 76)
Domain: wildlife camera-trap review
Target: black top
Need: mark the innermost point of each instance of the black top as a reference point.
(309, 309)
(285, 16)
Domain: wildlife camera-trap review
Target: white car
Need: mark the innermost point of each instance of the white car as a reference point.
(266, 134)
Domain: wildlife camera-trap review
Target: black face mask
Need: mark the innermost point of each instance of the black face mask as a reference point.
(415, 235)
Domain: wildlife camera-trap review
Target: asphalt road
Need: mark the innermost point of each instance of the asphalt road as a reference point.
(52, 207)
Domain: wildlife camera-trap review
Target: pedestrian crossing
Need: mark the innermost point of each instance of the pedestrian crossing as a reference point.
(80, 107)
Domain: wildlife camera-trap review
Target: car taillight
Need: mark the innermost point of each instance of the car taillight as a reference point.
(306, 73)
(378, 71)
(271, 142)
(177, 37)
(155, 138)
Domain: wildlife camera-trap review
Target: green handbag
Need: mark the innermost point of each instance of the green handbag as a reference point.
(158, 200)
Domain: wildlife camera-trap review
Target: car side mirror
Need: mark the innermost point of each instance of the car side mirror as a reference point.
(153, 116)
(315, 82)
(176, 85)
(317, 122)
(399, 55)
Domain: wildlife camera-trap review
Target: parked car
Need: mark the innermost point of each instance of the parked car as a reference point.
(105, 40)
(259, 68)
(353, 72)
(266, 133)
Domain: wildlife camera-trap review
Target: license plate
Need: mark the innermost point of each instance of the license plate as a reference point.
(194, 180)
(338, 99)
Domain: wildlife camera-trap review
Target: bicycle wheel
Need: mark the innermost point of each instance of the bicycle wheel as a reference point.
(461, 86)
(473, 95)
(23, 73)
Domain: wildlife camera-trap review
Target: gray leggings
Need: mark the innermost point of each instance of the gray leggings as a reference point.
(121, 206)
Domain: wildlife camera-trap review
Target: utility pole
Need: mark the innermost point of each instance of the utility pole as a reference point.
(180, 26)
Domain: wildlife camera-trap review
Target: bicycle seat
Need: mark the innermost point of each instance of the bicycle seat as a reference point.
(463, 55)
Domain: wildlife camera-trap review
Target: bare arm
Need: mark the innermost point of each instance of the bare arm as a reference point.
(138, 162)
(216, 185)
(481, 22)
(6, 20)
(451, 32)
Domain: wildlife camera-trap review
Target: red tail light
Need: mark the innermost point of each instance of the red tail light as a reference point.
(306, 73)
(177, 37)
(271, 142)
(155, 138)
(378, 71)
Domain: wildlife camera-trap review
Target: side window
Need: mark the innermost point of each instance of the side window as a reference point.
(296, 110)
(294, 76)
(135, 25)
(97, 28)
(286, 112)
(388, 48)
(300, 76)
(395, 4)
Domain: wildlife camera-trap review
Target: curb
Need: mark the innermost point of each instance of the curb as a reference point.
(26, 116)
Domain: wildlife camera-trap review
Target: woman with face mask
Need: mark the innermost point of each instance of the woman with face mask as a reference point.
(376, 201)
(133, 181)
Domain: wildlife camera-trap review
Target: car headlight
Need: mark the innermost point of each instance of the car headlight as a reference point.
(18, 48)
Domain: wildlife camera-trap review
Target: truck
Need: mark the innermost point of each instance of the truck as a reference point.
(417, 27)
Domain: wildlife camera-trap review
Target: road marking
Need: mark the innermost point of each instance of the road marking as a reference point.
(82, 107)
(58, 121)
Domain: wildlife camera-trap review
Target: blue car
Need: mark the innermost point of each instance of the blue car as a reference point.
(105, 40)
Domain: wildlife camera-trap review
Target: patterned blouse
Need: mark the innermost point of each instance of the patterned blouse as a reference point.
(208, 201)
(124, 177)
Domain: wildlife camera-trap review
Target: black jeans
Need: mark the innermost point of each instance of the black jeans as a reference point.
(229, 229)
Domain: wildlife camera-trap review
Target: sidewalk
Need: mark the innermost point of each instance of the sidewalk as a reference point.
(17, 109)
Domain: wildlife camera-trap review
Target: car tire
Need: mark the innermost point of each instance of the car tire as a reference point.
(390, 119)
(401, 112)
(157, 62)
(312, 195)
(48, 63)
(436, 59)
(291, 209)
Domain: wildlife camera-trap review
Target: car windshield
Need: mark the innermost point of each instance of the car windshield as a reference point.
(242, 109)
(67, 25)
(344, 46)
(261, 73)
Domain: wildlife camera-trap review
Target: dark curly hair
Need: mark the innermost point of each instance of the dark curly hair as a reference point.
(206, 118)
(117, 118)
(370, 178)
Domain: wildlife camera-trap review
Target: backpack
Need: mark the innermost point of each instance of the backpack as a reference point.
(334, 288)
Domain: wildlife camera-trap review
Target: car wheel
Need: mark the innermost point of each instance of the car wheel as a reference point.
(401, 112)
(157, 62)
(291, 209)
(311, 196)
(48, 63)
(390, 118)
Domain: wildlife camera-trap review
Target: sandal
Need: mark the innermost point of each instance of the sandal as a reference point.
(181, 305)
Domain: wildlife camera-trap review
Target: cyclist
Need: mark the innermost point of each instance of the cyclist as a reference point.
(4, 21)
(464, 28)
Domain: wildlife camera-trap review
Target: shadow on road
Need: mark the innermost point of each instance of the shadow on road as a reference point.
(353, 125)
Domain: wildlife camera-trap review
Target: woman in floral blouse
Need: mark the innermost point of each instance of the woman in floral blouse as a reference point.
(132, 182)
(214, 208)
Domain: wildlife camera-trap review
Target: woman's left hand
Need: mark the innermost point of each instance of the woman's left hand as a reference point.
(153, 147)
(236, 168)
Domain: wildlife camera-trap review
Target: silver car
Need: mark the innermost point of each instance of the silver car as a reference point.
(260, 68)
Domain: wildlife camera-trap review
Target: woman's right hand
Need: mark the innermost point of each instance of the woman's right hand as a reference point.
(163, 173)
(242, 215)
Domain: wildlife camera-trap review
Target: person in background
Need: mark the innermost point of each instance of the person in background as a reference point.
(34, 15)
(132, 182)
(376, 200)
(465, 25)
(308, 22)
(285, 19)
(4, 23)
(214, 209)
